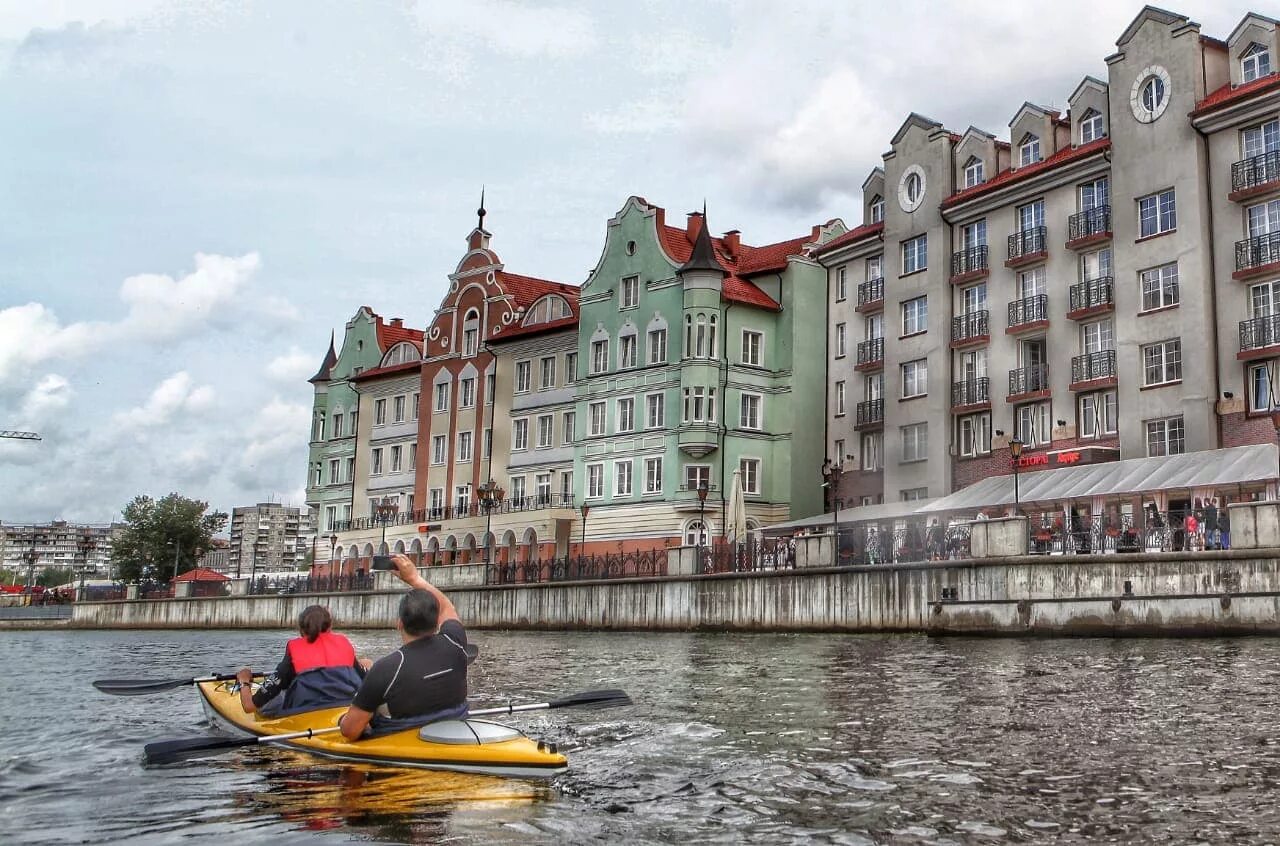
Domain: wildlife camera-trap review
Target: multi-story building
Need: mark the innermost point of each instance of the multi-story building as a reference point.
(267, 537)
(58, 544)
(1099, 286)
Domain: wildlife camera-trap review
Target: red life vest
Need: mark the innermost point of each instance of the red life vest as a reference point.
(328, 650)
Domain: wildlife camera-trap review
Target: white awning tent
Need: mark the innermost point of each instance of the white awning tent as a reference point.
(1208, 469)
(846, 516)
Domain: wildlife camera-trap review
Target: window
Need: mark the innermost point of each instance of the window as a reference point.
(1095, 194)
(974, 298)
(655, 416)
(547, 373)
(626, 414)
(350, 469)
(546, 431)
(570, 366)
(657, 346)
(599, 356)
(915, 316)
(1031, 283)
(413, 455)
(840, 340)
(752, 344)
(915, 442)
(915, 187)
(377, 460)
(973, 174)
(700, 336)
(335, 471)
(629, 296)
(699, 405)
(1263, 395)
(842, 283)
(653, 475)
(1098, 336)
(877, 208)
(437, 502)
(1162, 363)
(318, 478)
(380, 412)
(627, 351)
(1029, 149)
(1157, 214)
(872, 327)
(1263, 219)
(1032, 421)
(517, 494)
(973, 235)
(524, 375)
(464, 446)
(596, 411)
(317, 427)
(488, 442)
(1264, 300)
(595, 481)
(1152, 95)
(839, 398)
(413, 405)
(337, 425)
(466, 393)
(490, 381)
(915, 254)
(872, 451)
(837, 449)
(438, 449)
(397, 409)
(697, 476)
(462, 499)
(622, 478)
(1259, 140)
(471, 333)
(695, 534)
(1031, 216)
(1099, 415)
(914, 494)
(570, 417)
(1255, 63)
(1091, 127)
(566, 486)
(750, 475)
(520, 433)
(915, 378)
(749, 411)
(1166, 437)
(1096, 265)
(1159, 287)
(542, 485)
(442, 396)
(331, 517)
(975, 434)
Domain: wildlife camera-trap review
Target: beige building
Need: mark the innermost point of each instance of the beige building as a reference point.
(1103, 284)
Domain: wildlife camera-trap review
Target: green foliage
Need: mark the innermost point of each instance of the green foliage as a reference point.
(54, 576)
(146, 546)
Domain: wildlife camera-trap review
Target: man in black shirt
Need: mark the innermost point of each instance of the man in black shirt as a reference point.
(423, 680)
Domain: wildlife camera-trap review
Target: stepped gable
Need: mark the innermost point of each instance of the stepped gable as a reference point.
(326, 366)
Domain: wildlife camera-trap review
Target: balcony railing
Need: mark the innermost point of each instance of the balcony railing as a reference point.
(509, 505)
(1034, 309)
(1028, 242)
(1026, 380)
(1260, 332)
(1258, 251)
(871, 291)
(967, 261)
(1255, 171)
(1093, 293)
(870, 352)
(971, 392)
(1088, 223)
(970, 325)
(870, 412)
(1095, 365)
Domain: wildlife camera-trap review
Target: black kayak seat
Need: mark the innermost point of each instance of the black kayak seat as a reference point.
(467, 732)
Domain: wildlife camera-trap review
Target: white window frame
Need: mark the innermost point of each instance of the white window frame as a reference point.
(625, 415)
(1099, 414)
(546, 431)
(397, 458)
(335, 471)
(655, 402)
(397, 408)
(442, 396)
(570, 367)
(695, 473)
(628, 350)
(599, 356)
(623, 477)
(842, 283)
(1161, 432)
(524, 376)
(519, 434)
(1261, 139)
(751, 405)
(1092, 127)
(871, 451)
(657, 346)
(467, 392)
(915, 316)
(546, 372)
(915, 442)
(915, 254)
(1255, 63)
(915, 378)
(1161, 208)
(1263, 393)
(877, 208)
(974, 434)
(752, 348)
(750, 470)
(841, 341)
(597, 418)
(652, 473)
(1165, 355)
(439, 449)
(466, 446)
(838, 398)
(629, 292)
(380, 412)
(568, 424)
(1029, 150)
(974, 172)
(415, 405)
(595, 480)
(1033, 424)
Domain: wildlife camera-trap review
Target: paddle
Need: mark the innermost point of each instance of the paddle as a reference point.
(170, 751)
(138, 687)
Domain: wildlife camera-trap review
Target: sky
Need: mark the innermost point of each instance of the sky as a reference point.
(193, 195)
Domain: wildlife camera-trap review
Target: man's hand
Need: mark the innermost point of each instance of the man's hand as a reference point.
(245, 676)
(406, 570)
(365, 663)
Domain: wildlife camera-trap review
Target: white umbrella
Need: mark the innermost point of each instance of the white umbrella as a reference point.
(737, 522)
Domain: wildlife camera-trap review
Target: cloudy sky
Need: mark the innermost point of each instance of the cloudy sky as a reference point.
(193, 194)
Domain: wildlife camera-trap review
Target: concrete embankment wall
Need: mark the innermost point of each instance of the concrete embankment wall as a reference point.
(1229, 592)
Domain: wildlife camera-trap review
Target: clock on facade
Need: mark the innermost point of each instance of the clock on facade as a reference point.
(1149, 96)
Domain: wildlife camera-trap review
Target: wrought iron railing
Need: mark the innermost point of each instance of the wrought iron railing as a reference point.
(970, 325)
(1094, 221)
(311, 584)
(1258, 251)
(1033, 309)
(1094, 365)
(1255, 171)
(1028, 242)
(623, 565)
(1093, 293)
(1025, 380)
(870, 352)
(1260, 332)
(896, 544)
(1152, 531)
(871, 291)
(970, 260)
(475, 508)
(870, 412)
(971, 391)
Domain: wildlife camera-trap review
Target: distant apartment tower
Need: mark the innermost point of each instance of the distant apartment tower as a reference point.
(57, 544)
(267, 537)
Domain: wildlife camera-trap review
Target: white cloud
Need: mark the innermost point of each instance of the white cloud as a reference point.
(293, 367)
(175, 395)
(516, 29)
(51, 394)
(274, 442)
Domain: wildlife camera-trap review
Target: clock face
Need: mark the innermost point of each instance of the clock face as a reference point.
(911, 188)
(1149, 96)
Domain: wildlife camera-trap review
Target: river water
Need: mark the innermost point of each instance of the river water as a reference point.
(763, 738)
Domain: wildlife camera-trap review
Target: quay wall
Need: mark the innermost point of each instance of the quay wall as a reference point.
(1205, 593)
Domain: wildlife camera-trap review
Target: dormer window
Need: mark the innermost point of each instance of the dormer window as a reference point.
(973, 173)
(471, 334)
(1029, 150)
(1255, 63)
(877, 208)
(1091, 128)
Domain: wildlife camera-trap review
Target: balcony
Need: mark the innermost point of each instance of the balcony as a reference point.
(1089, 227)
(870, 413)
(1093, 296)
(1254, 176)
(1028, 313)
(1027, 247)
(870, 355)
(1257, 256)
(1259, 337)
(969, 265)
(870, 295)
(970, 393)
(1028, 380)
(1093, 370)
(509, 505)
(970, 329)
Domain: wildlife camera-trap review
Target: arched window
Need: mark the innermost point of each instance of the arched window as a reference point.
(1091, 126)
(695, 533)
(549, 308)
(688, 336)
(711, 338)
(973, 174)
(1029, 149)
(700, 336)
(915, 187)
(400, 354)
(471, 333)
(1255, 63)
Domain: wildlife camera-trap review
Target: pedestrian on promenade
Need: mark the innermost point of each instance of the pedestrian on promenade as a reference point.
(1191, 531)
(1209, 523)
(1224, 526)
(934, 541)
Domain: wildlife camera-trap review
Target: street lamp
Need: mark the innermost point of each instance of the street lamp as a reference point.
(85, 546)
(1015, 450)
(831, 483)
(384, 512)
(490, 498)
(703, 490)
(582, 547)
(333, 547)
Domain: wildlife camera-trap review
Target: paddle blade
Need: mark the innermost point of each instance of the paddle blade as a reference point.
(137, 687)
(472, 652)
(171, 751)
(613, 698)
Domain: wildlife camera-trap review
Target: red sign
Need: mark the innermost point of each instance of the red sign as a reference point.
(1066, 458)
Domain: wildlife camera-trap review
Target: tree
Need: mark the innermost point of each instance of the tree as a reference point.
(55, 576)
(157, 530)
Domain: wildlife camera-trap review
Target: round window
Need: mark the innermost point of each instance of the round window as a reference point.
(911, 188)
(1153, 94)
(1149, 96)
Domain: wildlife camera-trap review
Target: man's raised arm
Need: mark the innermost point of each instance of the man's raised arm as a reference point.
(409, 574)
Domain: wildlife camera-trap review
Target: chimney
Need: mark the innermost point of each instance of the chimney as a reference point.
(731, 241)
(397, 323)
(694, 226)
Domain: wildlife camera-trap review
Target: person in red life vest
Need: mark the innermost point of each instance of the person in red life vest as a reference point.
(320, 670)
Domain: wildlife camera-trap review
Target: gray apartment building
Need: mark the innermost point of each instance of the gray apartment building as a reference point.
(1104, 284)
(71, 546)
(268, 537)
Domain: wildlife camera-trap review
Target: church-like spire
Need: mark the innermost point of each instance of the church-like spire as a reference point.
(480, 212)
(703, 256)
(326, 368)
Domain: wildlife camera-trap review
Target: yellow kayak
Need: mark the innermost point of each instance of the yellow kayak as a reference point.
(465, 746)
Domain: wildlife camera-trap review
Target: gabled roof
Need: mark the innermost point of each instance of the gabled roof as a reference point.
(915, 119)
(1248, 20)
(876, 172)
(1149, 13)
(529, 289)
(1227, 95)
(389, 370)
(1008, 177)
(861, 233)
(1087, 82)
(1028, 106)
(202, 574)
(703, 256)
(326, 366)
(389, 335)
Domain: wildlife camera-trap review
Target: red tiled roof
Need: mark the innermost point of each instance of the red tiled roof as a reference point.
(1007, 177)
(390, 369)
(1226, 94)
(856, 234)
(202, 574)
(389, 336)
(528, 289)
(748, 260)
(770, 257)
(738, 290)
(535, 329)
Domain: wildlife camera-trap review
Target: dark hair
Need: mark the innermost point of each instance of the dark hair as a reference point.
(419, 613)
(314, 621)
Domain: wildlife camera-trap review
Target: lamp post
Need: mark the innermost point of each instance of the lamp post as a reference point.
(582, 546)
(385, 511)
(703, 490)
(333, 547)
(830, 482)
(85, 546)
(490, 498)
(32, 557)
(1015, 451)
